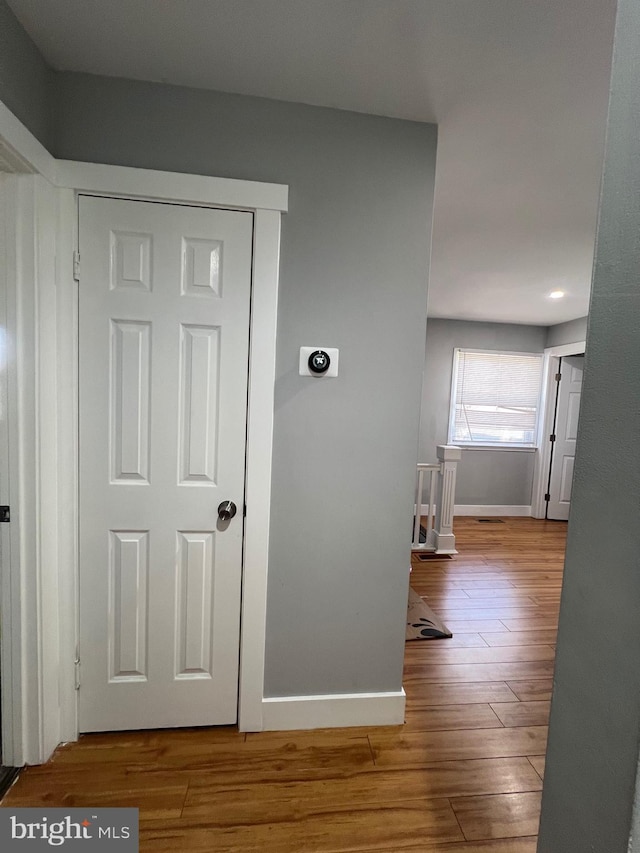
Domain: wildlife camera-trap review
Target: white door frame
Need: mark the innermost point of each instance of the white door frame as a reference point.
(40, 211)
(551, 365)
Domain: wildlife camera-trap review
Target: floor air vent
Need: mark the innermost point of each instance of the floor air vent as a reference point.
(429, 555)
(490, 521)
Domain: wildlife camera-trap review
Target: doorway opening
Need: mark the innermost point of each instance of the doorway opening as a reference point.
(38, 209)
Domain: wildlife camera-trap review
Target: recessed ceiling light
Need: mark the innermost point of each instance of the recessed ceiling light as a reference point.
(556, 294)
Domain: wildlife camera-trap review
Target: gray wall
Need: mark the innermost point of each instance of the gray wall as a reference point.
(355, 250)
(567, 333)
(484, 476)
(25, 78)
(595, 714)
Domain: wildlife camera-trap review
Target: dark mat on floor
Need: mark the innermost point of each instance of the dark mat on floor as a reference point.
(422, 622)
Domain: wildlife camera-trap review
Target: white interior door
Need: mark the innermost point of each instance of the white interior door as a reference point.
(566, 432)
(164, 327)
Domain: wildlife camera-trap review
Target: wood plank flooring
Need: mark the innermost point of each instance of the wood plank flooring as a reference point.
(463, 775)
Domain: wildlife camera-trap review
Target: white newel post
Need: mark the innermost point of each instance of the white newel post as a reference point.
(444, 540)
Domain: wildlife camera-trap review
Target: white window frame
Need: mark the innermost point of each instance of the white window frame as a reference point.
(476, 445)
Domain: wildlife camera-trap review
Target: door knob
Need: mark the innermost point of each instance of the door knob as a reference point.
(227, 510)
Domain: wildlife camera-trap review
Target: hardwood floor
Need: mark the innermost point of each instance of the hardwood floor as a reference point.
(463, 775)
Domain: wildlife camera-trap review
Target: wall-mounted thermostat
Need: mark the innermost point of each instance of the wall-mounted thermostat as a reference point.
(318, 361)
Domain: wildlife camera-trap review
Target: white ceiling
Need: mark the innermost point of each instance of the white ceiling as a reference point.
(518, 88)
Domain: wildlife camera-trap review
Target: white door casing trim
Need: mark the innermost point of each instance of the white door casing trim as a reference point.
(29, 583)
(42, 660)
(543, 456)
(10, 594)
(576, 348)
(152, 185)
(25, 153)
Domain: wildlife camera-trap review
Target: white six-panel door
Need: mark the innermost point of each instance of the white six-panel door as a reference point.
(164, 324)
(566, 432)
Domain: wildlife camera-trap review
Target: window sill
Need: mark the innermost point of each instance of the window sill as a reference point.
(494, 447)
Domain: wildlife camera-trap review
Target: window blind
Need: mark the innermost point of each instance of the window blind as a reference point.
(495, 398)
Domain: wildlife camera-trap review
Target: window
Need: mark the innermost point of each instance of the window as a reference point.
(495, 399)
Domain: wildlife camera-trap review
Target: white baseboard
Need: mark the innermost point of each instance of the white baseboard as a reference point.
(287, 713)
(486, 510)
(492, 509)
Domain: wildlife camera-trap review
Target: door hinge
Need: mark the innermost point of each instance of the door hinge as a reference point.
(244, 511)
(552, 438)
(5, 513)
(76, 266)
(547, 497)
(558, 377)
(76, 665)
